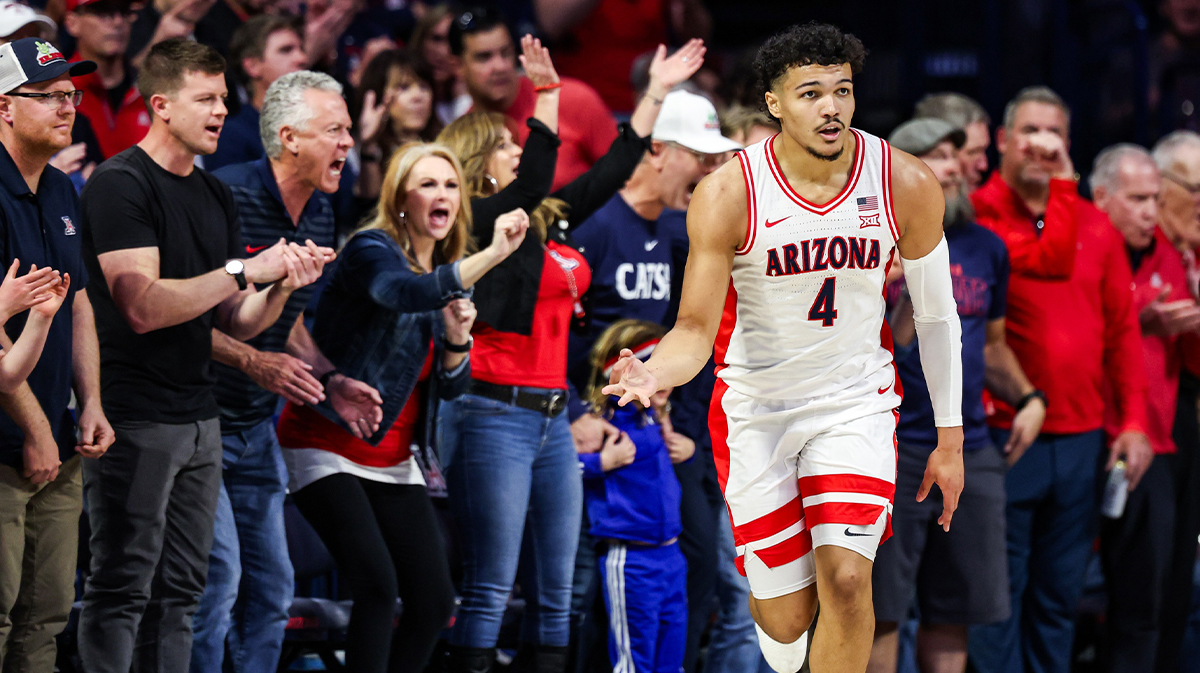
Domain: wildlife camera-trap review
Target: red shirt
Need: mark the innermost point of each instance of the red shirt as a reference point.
(116, 130)
(302, 427)
(1071, 336)
(540, 359)
(1050, 255)
(585, 126)
(602, 48)
(1164, 356)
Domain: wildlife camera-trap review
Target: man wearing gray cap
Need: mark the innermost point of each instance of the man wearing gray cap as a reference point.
(959, 577)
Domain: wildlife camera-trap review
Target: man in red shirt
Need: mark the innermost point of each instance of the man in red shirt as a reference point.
(1178, 159)
(111, 101)
(1073, 328)
(1137, 546)
(481, 42)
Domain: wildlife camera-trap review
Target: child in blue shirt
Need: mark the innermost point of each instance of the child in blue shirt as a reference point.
(632, 499)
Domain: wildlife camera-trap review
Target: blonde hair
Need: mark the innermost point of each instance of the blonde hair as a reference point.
(739, 118)
(627, 333)
(389, 213)
(474, 138)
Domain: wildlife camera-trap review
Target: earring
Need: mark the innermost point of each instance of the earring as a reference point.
(495, 185)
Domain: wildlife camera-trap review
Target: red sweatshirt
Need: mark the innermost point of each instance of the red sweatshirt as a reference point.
(1050, 255)
(585, 126)
(116, 130)
(1164, 356)
(1075, 335)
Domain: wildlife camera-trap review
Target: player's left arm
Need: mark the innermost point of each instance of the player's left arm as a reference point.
(919, 203)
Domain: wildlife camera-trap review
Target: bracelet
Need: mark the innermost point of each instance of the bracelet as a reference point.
(548, 87)
(1024, 401)
(324, 378)
(460, 348)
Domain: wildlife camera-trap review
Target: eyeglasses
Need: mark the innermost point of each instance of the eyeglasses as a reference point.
(706, 160)
(55, 99)
(1190, 187)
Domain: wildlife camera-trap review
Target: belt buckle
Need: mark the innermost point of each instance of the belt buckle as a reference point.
(555, 403)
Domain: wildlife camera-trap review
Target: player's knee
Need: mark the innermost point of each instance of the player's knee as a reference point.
(849, 583)
(786, 618)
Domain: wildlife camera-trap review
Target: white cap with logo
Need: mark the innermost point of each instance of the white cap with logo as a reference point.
(691, 120)
(14, 16)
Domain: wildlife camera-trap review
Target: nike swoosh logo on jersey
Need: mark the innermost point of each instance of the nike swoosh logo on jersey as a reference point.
(850, 534)
(650, 245)
(885, 389)
(250, 249)
(771, 224)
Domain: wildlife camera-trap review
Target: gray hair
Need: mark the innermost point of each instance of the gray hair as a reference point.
(1108, 164)
(285, 106)
(1166, 151)
(1035, 94)
(959, 110)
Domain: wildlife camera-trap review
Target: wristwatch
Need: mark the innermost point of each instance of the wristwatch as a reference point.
(1024, 401)
(461, 348)
(237, 269)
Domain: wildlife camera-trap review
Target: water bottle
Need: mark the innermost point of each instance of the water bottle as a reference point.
(1116, 491)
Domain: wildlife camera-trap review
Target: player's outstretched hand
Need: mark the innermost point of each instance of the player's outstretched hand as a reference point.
(945, 468)
(631, 380)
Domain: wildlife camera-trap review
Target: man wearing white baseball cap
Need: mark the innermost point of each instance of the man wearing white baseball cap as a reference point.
(18, 20)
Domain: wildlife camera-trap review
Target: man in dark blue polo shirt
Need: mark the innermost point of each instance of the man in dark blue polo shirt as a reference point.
(306, 133)
(39, 219)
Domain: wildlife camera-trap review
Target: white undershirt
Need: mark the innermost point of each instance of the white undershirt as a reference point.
(308, 465)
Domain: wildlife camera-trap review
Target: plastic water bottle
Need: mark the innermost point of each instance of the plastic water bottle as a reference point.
(1116, 491)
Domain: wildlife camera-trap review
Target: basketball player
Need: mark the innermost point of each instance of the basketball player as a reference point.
(794, 240)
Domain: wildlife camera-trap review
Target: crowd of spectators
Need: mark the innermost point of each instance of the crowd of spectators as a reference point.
(374, 261)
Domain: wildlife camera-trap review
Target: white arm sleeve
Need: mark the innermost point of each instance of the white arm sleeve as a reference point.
(939, 334)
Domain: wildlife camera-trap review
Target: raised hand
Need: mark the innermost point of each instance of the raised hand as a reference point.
(459, 317)
(58, 294)
(1050, 151)
(631, 380)
(358, 405)
(509, 232)
(535, 59)
(304, 266)
(373, 117)
(667, 73)
(20, 294)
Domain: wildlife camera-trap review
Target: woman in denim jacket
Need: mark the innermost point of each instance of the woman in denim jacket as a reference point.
(395, 316)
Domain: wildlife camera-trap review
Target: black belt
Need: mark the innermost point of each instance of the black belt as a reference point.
(549, 403)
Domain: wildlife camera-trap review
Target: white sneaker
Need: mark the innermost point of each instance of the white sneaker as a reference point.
(783, 657)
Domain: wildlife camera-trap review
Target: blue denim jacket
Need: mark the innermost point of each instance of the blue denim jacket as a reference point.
(375, 320)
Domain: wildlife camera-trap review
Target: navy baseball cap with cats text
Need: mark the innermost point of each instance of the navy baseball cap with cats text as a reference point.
(31, 60)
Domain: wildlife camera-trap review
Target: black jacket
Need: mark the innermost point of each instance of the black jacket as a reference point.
(505, 297)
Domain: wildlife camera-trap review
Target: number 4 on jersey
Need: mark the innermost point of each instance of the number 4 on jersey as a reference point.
(822, 308)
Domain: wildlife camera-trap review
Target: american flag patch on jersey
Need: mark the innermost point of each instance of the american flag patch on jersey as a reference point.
(868, 203)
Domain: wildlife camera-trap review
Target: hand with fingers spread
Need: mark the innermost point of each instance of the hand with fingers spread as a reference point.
(18, 294)
(285, 376)
(945, 468)
(631, 380)
(374, 117)
(535, 59)
(666, 73)
(358, 405)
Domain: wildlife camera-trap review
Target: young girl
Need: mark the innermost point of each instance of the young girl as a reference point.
(632, 499)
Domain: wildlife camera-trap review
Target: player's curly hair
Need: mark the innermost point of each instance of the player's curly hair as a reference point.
(808, 44)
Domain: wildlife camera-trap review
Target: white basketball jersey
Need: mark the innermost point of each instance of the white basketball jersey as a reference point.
(804, 316)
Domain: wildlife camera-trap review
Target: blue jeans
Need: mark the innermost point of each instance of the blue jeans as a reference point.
(1052, 521)
(250, 582)
(733, 644)
(517, 495)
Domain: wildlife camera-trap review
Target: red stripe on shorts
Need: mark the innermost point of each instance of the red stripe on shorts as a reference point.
(779, 554)
(769, 524)
(847, 483)
(847, 513)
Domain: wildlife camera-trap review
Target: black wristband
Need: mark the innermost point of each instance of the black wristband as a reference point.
(460, 348)
(324, 379)
(1024, 401)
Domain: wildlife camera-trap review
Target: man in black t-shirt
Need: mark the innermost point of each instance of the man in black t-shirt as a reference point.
(161, 242)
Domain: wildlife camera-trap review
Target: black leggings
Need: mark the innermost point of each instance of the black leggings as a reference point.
(385, 541)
